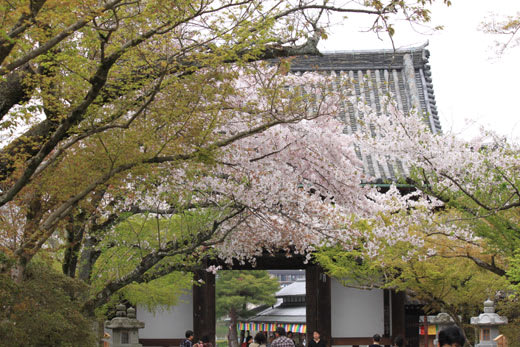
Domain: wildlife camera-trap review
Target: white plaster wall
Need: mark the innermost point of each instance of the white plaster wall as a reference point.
(167, 323)
(356, 312)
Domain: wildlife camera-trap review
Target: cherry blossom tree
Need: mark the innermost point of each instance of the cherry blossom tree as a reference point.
(288, 187)
(505, 29)
(453, 240)
(472, 185)
(116, 108)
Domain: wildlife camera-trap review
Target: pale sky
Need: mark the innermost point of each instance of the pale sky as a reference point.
(470, 82)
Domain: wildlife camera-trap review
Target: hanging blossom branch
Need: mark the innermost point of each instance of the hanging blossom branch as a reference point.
(474, 178)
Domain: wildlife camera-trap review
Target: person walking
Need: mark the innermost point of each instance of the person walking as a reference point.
(247, 341)
(205, 342)
(290, 336)
(188, 341)
(376, 341)
(260, 340)
(281, 340)
(316, 340)
(451, 337)
(398, 341)
(270, 340)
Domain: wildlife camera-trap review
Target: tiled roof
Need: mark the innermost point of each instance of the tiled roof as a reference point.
(287, 272)
(404, 74)
(281, 314)
(294, 289)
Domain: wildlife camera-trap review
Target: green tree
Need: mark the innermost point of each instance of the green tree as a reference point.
(96, 90)
(97, 96)
(136, 238)
(236, 289)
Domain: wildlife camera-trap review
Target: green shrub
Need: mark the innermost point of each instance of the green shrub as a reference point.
(43, 310)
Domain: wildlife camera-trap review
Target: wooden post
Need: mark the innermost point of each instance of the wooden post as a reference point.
(426, 342)
(204, 320)
(412, 326)
(398, 313)
(310, 301)
(386, 313)
(318, 303)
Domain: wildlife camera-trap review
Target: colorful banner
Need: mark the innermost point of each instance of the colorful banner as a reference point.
(270, 327)
(432, 330)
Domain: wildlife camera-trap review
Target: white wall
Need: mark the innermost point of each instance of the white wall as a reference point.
(356, 312)
(167, 323)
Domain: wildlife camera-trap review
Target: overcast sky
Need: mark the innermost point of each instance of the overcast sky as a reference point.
(471, 84)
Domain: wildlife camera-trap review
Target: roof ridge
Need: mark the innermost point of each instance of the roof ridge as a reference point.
(412, 49)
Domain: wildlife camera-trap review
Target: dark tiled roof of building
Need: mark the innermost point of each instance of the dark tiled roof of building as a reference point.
(281, 314)
(294, 289)
(403, 74)
(358, 60)
(287, 272)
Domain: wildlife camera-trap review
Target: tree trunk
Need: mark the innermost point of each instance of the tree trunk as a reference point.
(232, 333)
(18, 270)
(88, 258)
(75, 230)
(31, 235)
(70, 261)
(13, 91)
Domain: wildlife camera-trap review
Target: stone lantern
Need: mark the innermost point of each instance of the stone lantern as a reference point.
(487, 324)
(125, 327)
(441, 321)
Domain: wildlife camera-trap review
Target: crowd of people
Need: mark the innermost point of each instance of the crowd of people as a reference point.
(280, 339)
(449, 337)
(190, 341)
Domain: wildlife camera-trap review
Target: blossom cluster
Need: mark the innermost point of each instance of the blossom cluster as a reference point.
(292, 169)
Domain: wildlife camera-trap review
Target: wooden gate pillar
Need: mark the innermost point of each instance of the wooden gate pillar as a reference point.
(204, 320)
(318, 301)
(398, 313)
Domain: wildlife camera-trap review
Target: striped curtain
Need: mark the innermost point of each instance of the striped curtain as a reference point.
(270, 327)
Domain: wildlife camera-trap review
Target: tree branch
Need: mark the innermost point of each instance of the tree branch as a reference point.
(490, 267)
(98, 81)
(149, 261)
(25, 21)
(45, 47)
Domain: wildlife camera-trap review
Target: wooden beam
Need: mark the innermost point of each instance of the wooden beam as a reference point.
(386, 313)
(324, 306)
(398, 313)
(412, 314)
(318, 303)
(311, 301)
(204, 320)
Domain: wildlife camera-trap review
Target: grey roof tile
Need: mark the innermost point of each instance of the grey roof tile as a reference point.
(374, 74)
